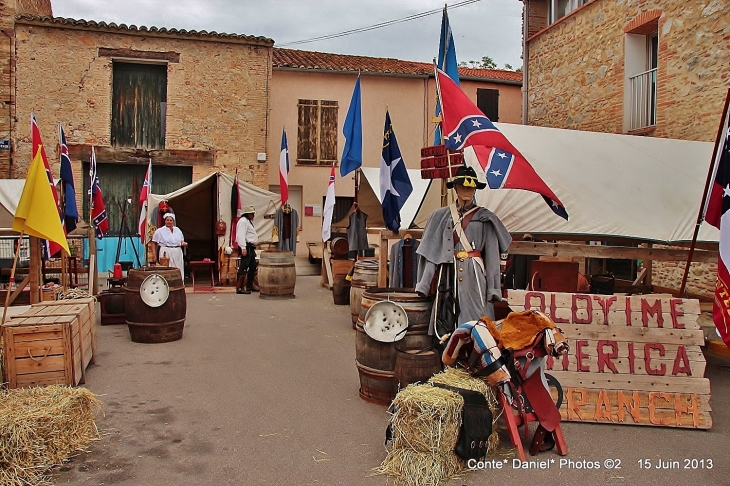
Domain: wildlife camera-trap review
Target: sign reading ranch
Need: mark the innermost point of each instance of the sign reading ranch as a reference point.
(633, 359)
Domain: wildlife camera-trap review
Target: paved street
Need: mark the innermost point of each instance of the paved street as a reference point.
(263, 392)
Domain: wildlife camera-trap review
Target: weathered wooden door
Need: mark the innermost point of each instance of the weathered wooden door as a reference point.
(139, 96)
(124, 181)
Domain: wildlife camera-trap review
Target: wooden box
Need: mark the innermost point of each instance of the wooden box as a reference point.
(83, 310)
(42, 350)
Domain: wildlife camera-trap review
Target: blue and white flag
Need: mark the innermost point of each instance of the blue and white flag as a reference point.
(352, 130)
(447, 63)
(395, 185)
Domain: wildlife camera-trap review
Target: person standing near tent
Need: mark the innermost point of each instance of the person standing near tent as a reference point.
(247, 239)
(461, 244)
(168, 242)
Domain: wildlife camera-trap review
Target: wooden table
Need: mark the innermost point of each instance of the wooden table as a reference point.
(203, 265)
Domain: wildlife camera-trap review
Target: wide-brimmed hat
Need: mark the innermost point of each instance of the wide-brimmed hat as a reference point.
(248, 210)
(467, 177)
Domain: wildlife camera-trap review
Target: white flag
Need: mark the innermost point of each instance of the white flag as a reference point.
(329, 206)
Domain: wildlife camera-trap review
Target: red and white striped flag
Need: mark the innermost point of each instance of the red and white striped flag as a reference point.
(50, 248)
(717, 213)
(146, 189)
(284, 169)
(329, 206)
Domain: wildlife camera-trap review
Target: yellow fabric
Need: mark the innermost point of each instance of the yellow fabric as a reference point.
(37, 214)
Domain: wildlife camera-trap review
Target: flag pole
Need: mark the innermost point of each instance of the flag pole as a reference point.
(12, 275)
(710, 174)
(444, 190)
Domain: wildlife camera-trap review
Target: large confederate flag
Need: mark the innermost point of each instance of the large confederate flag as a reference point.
(717, 215)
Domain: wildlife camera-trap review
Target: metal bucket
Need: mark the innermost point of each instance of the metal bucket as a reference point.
(162, 323)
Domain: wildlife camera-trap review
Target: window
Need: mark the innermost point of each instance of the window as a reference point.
(317, 132)
(488, 103)
(558, 9)
(640, 76)
(139, 99)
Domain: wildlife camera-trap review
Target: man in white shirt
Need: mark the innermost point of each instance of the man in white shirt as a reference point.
(246, 239)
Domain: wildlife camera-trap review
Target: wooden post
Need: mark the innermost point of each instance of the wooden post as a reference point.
(34, 269)
(93, 273)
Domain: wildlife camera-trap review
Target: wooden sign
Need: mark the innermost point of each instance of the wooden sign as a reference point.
(633, 359)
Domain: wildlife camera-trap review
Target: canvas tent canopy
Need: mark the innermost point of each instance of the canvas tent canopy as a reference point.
(199, 205)
(10, 192)
(614, 186)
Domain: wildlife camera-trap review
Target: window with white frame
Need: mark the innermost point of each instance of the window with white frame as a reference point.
(640, 77)
(558, 9)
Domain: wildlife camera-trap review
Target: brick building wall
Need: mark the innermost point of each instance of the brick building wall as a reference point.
(217, 93)
(576, 67)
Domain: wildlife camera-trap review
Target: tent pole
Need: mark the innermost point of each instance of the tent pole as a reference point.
(701, 215)
(12, 275)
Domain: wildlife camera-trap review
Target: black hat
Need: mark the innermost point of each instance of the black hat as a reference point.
(467, 177)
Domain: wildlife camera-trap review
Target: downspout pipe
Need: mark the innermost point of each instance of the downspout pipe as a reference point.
(525, 59)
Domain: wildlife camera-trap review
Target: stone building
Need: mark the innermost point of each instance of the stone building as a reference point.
(656, 67)
(653, 68)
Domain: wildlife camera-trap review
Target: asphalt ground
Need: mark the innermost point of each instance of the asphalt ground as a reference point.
(265, 392)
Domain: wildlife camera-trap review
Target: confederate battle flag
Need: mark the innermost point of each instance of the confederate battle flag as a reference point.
(717, 214)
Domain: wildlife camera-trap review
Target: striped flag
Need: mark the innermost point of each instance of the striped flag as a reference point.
(98, 210)
(284, 169)
(329, 207)
(70, 210)
(50, 248)
(447, 63)
(146, 189)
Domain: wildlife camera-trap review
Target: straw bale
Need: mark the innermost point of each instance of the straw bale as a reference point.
(42, 427)
(406, 467)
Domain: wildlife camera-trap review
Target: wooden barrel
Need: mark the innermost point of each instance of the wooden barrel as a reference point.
(341, 290)
(414, 365)
(376, 360)
(340, 248)
(364, 277)
(277, 275)
(155, 324)
(376, 386)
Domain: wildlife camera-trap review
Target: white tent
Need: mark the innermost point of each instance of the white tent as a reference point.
(612, 185)
(10, 192)
(186, 201)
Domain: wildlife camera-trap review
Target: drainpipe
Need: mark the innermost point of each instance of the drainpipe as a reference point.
(11, 103)
(525, 59)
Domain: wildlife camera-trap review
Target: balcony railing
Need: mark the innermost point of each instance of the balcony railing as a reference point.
(643, 100)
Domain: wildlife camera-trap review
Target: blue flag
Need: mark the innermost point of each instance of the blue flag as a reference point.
(352, 154)
(70, 210)
(447, 63)
(395, 185)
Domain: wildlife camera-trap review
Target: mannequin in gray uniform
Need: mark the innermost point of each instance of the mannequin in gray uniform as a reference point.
(461, 246)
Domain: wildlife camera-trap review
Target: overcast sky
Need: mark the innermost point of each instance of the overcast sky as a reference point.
(485, 28)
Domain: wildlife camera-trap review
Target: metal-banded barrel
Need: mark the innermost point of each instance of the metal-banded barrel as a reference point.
(160, 324)
(365, 276)
(277, 275)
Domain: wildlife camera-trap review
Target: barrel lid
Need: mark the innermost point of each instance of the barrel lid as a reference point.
(154, 290)
(386, 322)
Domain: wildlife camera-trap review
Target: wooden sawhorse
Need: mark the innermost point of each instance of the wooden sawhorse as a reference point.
(515, 420)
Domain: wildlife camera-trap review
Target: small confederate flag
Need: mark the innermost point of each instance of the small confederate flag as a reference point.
(717, 214)
(98, 211)
(142, 227)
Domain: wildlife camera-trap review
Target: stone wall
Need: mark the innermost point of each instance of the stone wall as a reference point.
(576, 67)
(700, 279)
(217, 94)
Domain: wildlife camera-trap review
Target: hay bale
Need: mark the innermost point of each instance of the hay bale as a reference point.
(42, 427)
(425, 423)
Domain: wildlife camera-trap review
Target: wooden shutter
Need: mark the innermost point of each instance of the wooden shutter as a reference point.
(307, 132)
(139, 96)
(328, 132)
(488, 102)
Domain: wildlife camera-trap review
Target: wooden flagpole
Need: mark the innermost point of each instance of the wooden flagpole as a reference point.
(12, 275)
(710, 174)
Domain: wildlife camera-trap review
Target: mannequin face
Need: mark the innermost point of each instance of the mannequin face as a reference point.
(464, 195)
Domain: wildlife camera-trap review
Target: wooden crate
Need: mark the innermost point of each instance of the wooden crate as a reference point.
(88, 326)
(42, 350)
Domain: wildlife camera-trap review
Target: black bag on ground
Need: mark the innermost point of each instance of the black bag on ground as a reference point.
(476, 424)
